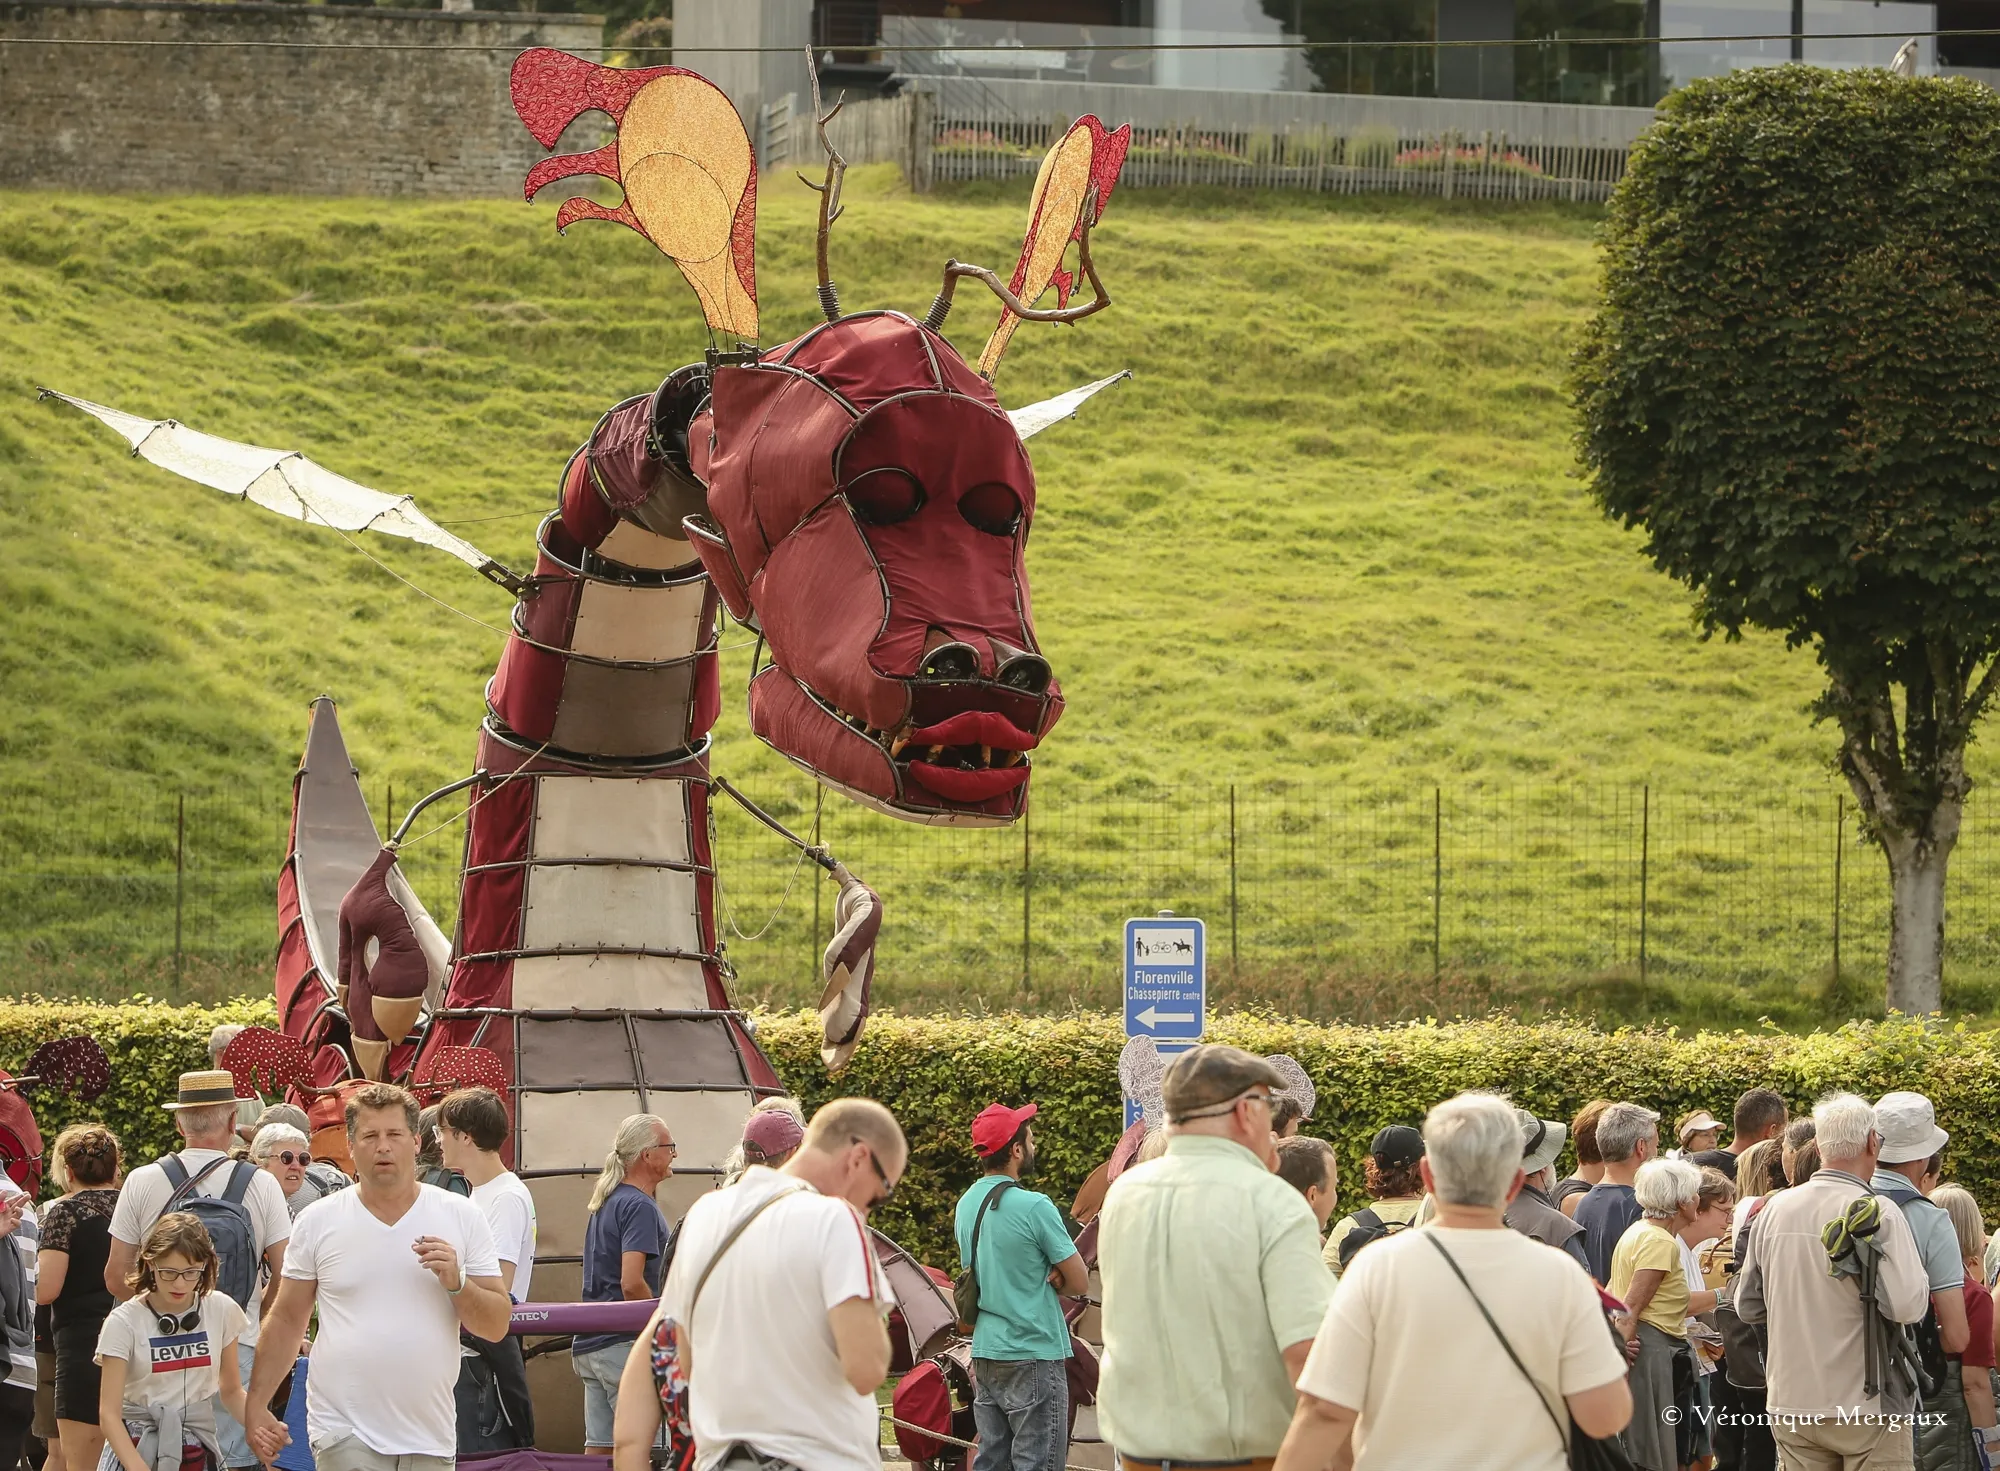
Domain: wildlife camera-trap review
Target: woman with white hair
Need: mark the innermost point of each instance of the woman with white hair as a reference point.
(1648, 1276)
(283, 1151)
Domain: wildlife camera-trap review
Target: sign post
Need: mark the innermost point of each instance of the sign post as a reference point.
(1166, 985)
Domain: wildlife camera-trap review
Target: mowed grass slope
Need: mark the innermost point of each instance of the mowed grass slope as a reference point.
(1328, 534)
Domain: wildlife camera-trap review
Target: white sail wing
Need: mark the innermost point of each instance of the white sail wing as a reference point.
(283, 481)
(1034, 418)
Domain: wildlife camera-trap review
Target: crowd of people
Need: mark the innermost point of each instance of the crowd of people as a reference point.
(1811, 1294)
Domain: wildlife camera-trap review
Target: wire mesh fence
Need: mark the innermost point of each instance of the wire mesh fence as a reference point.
(109, 889)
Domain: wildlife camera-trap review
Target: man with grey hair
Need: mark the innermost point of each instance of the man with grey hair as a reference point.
(205, 1116)
(1627, 1136)
(1213, 1282)
(1462, 1312)
(1823, 1410)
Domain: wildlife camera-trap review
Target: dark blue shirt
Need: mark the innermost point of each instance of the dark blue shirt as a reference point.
(1604, 1213)
(627, 1221)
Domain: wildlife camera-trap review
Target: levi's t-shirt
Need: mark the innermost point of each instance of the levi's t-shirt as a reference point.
(171, 1368)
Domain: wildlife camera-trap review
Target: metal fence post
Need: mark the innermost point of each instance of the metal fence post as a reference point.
(1027, 903)
(1839, 843)
(1232, 881)
(180, 879)
(1437, 882)
(1645, 866)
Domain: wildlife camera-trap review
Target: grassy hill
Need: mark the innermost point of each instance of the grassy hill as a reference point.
(1328, 536)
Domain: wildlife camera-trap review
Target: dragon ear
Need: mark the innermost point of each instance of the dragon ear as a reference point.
(681, 156)
(1071, 191)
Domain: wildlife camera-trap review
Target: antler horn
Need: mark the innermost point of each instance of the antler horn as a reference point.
(954, 269)
(829, 191)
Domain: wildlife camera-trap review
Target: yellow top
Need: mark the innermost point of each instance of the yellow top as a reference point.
(1647, 1246)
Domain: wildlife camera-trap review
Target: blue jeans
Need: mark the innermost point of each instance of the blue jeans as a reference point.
(600, 1369)
(1021, 1407)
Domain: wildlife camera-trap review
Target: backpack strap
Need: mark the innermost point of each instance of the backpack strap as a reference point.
(687, 1328)
(239, 1183)
(171, 1165)
(1367, 1219)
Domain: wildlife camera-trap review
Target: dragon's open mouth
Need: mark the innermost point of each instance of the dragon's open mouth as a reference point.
(967, 757)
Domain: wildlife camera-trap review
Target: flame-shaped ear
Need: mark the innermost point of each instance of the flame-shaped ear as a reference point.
(1071, 191)
(681, 155)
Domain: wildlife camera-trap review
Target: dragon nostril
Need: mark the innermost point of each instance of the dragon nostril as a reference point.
(950, 661)
(1029, 673)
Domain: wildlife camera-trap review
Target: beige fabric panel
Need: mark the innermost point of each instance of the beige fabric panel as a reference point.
(608, 817)
(679, 1192)
(572, 1130)
(609, 983)
(632, 545)
(706, 1125)
(585, 907)
(651, 623)
(562, 1213)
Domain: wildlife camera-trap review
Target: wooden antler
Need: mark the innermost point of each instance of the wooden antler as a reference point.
(953, 269)
(829, 191)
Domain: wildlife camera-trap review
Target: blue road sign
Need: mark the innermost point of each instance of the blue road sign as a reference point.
(1166, 984)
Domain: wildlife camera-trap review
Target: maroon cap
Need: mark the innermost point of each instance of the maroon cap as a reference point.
(997, 1125)
(770, 1134)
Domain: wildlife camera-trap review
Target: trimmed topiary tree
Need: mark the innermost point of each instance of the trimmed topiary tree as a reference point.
(1792, 386)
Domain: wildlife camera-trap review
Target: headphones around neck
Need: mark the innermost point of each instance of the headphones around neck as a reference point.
(186, 1323)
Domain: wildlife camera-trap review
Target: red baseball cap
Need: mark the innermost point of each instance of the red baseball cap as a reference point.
(771, 1133)
(997, 1125)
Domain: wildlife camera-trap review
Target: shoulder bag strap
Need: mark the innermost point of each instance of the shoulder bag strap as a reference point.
(986, 1208)
(728, 1241)
(1562, 1430)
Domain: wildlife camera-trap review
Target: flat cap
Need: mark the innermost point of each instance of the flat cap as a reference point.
(1207, 1076)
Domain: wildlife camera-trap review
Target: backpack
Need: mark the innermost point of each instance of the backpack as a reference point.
(965, 1291)
(226, 1219)
(1743, 1344)
(1927, 1343)
(1368, 1227)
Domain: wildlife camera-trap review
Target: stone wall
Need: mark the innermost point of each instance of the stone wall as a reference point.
(271, 99)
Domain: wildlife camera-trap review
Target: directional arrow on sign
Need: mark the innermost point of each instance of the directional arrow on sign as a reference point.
(1151, 1017)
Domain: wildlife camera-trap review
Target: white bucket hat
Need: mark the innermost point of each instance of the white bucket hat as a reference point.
(1909, 1128)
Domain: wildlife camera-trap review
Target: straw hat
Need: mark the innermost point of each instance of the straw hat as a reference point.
(205, 1090)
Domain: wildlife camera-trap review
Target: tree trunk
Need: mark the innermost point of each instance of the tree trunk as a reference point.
(1916, 921)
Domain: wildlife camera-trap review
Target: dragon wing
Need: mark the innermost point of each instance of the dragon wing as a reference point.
(283, 481)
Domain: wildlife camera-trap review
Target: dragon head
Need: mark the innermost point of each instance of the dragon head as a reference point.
(858, 496)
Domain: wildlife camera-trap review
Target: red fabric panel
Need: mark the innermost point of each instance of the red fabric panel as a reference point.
(707, 695)
(773, 456)
(626, 474)
(819, 600)
(942, 571)
(866, 359)
(526, 689)
(786, 717)
(922, 1397)
(490, 901)
(721, 567)
(585, 516)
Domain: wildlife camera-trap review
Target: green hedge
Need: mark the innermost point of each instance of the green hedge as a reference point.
(937, 1072)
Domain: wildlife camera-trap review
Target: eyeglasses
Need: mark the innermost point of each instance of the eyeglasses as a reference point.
(669, 1146)
(888, 1187)
(178, 1274)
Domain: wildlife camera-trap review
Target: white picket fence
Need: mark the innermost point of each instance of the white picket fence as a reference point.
(1353, 146)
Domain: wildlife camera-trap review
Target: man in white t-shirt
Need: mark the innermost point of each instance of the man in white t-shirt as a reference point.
(495, 1412)
(1404, 1338)
(786, 1346)
(396, 1268)
(205, 1114)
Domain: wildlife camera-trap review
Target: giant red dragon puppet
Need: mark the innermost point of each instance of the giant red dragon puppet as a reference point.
(857, 497)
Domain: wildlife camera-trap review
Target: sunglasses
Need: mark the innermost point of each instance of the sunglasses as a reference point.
(287, 1157)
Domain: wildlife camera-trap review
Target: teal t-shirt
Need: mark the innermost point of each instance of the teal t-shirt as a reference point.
(1020, 1240)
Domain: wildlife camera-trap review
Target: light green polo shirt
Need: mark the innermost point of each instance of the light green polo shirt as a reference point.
(1211, 1269)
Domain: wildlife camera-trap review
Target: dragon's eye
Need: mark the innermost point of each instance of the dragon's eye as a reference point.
(884, 497)
(991, 507)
